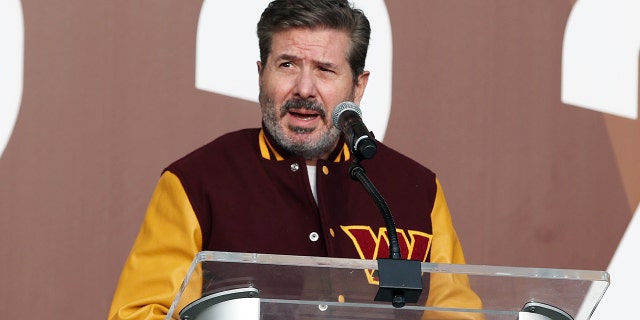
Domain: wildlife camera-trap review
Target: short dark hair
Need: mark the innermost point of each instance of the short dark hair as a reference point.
(334, 14)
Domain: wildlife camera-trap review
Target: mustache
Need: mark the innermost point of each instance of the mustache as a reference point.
(310, 105)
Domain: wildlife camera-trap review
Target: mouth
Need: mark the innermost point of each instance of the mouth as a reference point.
(304, 114)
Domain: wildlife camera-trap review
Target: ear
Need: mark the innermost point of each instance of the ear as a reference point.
(259, 65)
(361, 84)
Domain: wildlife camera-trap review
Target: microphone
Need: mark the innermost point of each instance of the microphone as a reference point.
(400, 280)
(347, 117)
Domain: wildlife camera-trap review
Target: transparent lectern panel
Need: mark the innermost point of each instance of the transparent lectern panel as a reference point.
(298, 287)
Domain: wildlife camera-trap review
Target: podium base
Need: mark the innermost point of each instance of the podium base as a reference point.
(235, 304)
(542, 311)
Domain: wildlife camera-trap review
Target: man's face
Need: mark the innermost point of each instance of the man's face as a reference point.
(305, 77)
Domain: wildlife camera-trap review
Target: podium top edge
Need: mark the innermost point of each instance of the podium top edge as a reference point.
(350, 263)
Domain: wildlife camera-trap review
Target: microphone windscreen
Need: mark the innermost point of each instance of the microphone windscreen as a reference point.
(342, 107)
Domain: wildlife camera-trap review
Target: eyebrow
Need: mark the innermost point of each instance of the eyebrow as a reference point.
(327, 65)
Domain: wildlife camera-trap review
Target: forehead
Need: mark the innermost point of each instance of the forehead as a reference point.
(331, 44)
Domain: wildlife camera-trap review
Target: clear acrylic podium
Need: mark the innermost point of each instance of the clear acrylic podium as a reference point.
(248, 286)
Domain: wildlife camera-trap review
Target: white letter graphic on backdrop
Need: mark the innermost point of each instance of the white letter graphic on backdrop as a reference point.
(621, 297)
(600, 72)
(227, 49)
(11, 67)
(600, 56)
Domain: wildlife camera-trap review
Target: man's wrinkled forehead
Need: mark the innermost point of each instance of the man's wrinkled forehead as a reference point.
(282, 31)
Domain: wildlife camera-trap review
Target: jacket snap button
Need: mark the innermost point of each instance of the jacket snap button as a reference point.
(295, 167)
(313, 236)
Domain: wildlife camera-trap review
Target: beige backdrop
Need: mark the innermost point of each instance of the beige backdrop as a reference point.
(109, 100)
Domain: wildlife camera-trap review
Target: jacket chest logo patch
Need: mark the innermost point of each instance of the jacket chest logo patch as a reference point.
(414, 245)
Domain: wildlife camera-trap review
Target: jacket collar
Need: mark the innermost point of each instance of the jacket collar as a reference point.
(270, 150)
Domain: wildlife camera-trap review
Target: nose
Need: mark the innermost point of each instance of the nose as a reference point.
(305, 85)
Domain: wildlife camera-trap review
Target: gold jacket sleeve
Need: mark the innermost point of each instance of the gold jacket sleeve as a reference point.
(169, 239)
(448, 290)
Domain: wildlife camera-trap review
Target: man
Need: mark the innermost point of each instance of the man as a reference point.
(285, 188)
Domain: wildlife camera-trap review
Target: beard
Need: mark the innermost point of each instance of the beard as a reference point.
(300, 142)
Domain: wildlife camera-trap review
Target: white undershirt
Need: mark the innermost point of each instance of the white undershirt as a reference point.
(311, 171)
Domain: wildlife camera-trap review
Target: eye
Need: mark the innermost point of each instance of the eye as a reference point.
(326, 68)
(287, 64)
(323, 69)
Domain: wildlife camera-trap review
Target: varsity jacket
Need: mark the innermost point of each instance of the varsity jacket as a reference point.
(243, 193)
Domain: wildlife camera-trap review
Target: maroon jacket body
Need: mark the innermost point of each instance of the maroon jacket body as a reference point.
(248, 202)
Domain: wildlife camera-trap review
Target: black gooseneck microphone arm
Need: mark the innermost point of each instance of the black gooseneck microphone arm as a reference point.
(400, 281)
(358, 173)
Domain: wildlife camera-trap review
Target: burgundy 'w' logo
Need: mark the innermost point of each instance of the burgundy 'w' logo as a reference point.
(414, 245)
